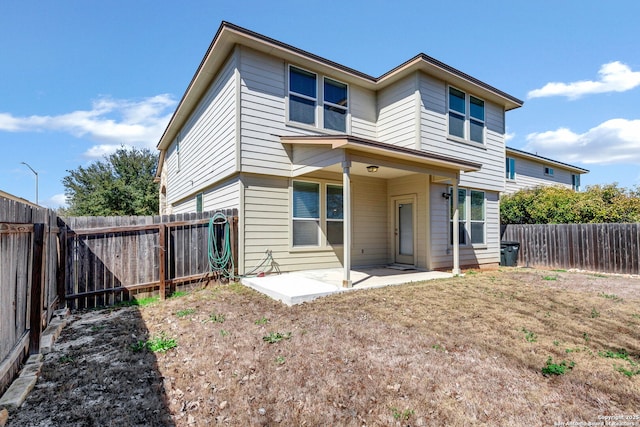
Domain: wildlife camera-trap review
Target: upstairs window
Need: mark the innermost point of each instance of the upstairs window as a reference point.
(548, 171)
(510, 168)
(457, 112)
(302, 96)
(335, 105)
(466, 116)
(325, 106)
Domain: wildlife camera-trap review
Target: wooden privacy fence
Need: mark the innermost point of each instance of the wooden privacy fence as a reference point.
(30, 285)
(608, 248)
(110, 258)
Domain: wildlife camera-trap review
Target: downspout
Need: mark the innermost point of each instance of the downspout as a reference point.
(346, 194)
(456, 228)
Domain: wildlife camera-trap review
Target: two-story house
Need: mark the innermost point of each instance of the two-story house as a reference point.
(330, 167)
(525, 170)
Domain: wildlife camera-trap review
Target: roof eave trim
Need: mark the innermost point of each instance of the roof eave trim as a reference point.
(542, 159)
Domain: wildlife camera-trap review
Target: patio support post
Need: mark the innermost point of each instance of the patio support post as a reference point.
(456, 229)
(346, 196)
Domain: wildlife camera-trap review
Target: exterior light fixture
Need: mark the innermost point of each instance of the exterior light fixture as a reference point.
(372, 169)
(446, 195)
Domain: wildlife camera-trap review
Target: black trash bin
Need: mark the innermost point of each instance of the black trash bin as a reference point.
(509, 253)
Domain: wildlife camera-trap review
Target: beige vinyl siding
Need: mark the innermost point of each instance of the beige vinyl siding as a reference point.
(441, 250)
(225, 195)
(363, 112)
(184, 206)
(207, 141)
(441, 254)
(410, 185)
(370, 221)
(266, 227)
(433, 136)
(262, 119)
(397, 114)
(530, 174)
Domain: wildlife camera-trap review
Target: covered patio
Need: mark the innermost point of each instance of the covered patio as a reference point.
(306, 285)
(351, 157)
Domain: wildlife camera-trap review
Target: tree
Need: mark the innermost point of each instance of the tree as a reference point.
(559, 205)
(121, 184)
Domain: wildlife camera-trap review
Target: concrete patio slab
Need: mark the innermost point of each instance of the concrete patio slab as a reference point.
(300, 286)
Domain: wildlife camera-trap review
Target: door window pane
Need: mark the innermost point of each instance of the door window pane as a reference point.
(405, 228)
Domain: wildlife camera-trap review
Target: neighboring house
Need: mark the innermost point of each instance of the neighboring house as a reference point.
(16, 198)
(318, 157)
(526, 170)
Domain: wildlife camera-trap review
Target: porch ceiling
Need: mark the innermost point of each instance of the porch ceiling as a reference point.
(327, 152)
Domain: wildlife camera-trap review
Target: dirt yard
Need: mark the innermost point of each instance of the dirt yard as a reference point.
(456, 352)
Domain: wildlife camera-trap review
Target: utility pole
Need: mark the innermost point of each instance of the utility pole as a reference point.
(36, 174)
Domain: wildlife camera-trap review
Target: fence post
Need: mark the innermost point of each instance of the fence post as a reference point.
(62, 265)
(162, 248)
(35, 316)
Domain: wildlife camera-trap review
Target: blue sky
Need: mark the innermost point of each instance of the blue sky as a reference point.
(80, 78)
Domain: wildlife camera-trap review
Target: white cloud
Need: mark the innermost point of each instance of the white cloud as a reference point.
(56, 201)
(110, 122)
(615, 141)
(614, 77)
(509, 136)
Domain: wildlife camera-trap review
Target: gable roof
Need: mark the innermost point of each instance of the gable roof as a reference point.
(229, 35)
(540, 159)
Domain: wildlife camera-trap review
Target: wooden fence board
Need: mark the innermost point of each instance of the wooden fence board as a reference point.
(29, 279)
(609, 248)
(132, 253)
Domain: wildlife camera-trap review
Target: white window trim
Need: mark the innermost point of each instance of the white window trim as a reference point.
(467, 218)
(548, 171)
(467, 119)
(323, 244)
(319, 104)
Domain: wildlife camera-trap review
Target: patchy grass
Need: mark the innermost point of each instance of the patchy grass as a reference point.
(456, 352)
